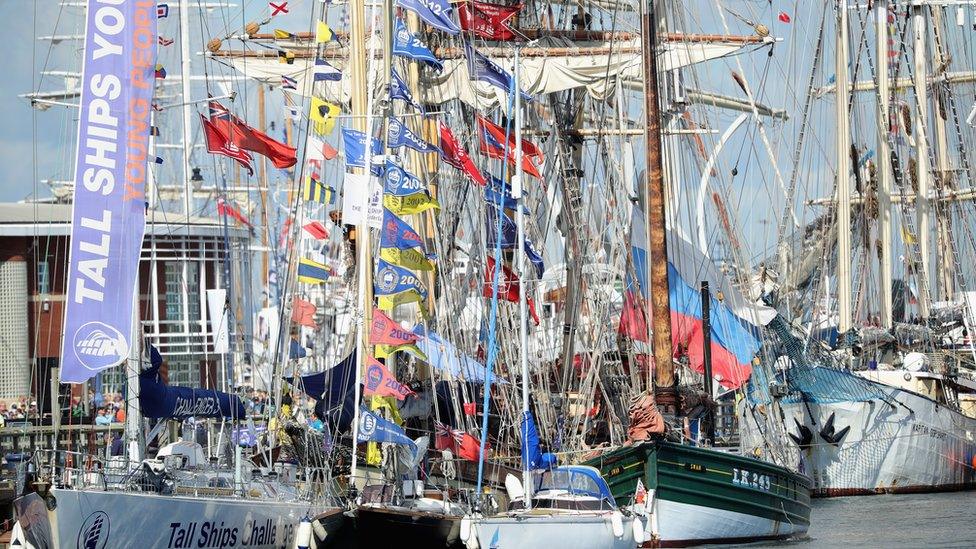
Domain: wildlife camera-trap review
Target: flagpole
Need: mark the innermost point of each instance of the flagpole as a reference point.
(520, 262)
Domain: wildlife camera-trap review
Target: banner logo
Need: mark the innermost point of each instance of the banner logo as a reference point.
(367, 426)
(387, 279)
(374, 376)
(98, 346)
(94, 532)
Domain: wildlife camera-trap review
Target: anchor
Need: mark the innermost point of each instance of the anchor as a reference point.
(805, 438)
(829, 434)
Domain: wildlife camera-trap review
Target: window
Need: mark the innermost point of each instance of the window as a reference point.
(43, 277)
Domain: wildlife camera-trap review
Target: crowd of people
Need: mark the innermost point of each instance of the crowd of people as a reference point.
(23, 408)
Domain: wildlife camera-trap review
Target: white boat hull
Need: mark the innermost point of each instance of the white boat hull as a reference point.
(908, 443)
(563, 531)
(97, 519)
(683, 525)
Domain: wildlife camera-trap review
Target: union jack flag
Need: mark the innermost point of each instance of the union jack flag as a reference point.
(443, 431)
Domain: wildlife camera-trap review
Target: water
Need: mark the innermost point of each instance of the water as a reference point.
(913, 520)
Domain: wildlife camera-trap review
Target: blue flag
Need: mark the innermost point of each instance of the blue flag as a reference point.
(400, 182)
(499, 193)
(399, 90)
(484, 69)
(411, 47)
(374, 428)
(436, 13)
(509, 237)
(325, 71)
(396, 233)
(354, 142)
(392, 279)
(399, 135)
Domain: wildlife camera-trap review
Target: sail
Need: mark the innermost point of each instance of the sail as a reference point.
(108, 220)
(158, 400)
(596, 66)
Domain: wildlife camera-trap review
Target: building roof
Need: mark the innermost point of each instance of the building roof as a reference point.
(38, 219)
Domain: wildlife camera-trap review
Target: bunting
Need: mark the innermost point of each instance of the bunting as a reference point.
(316, 230)
(384, 331)
(396, 285)
(436, 13)
(323, 33)
(489, 21)
(405, 44)
(455, 155)
(399, 135)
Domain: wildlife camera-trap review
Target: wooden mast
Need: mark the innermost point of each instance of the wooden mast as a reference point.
(657, 246)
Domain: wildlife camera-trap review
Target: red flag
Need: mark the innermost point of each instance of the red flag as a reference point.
(328, 151)
(228, 210)
(487, 20)
(492, 140)
(380, 381)
(455, 155)
(217, 143)
(283, 240)
(303, 312)
(384, 331)
(464, 445)
(633, 323)
(784, 17)
(250, 139)
(508, 289)
(317, 230)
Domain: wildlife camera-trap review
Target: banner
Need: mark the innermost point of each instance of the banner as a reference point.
(109, 216)
(217, 307)
(374, 428)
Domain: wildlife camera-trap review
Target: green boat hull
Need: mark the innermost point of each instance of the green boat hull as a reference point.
(702, 495)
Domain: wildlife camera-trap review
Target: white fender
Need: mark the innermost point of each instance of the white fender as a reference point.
(303, 537)
(465, 531)
(638, 530)
(617, 521)
(514, 487)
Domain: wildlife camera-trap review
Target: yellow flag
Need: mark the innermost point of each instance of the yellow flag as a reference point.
(323, 33)
(411, 259)
(907, 237)
(376, 402)
(323, 115)
(410, 204)
(388, 302)
(384, 351)
(282, 34)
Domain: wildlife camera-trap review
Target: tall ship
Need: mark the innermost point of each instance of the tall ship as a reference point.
(877, 375)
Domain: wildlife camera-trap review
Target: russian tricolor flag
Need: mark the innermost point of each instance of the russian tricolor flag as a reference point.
(733, 318)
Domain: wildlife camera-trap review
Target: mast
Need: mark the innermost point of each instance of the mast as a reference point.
(357, 62)
(656, 213)
(884, 161)
(922, 205)
(843, 151)
(187, 108)
(943, 169)
(520, 263)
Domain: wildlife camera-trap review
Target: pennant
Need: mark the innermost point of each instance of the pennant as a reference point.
(385, 351)
(316, 230)
(160, 72)
(399, 90)
(354, 143)
(390, 302)
(489, 21)
(454, 154)
(312, 272)
(412, 204)
(217, 143)
(323, 71)
(295, 350)
(482, 69)
(391, 279)
(323, 33)
(436, 13)
(316, 191)
(283, 35)
(400, 182)
(228, 210)
(374, 428)
(397, 233)
(323, 115)
(165, 41)
(384, 331)
(380, 381)
(279, 7)
(399, 135)
(509, 237)
(289, 83)
(407, 45)
(303, 312)
(410, 258)
(497, 193)
(318, 151)
(497, 142)
(250, 139)
(508, 287)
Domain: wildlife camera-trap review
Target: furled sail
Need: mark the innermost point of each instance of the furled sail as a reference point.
(554, 65)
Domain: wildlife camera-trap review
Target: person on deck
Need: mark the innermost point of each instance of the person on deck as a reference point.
(101, 418)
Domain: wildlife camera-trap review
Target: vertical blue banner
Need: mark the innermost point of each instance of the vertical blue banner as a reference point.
(109, 216)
